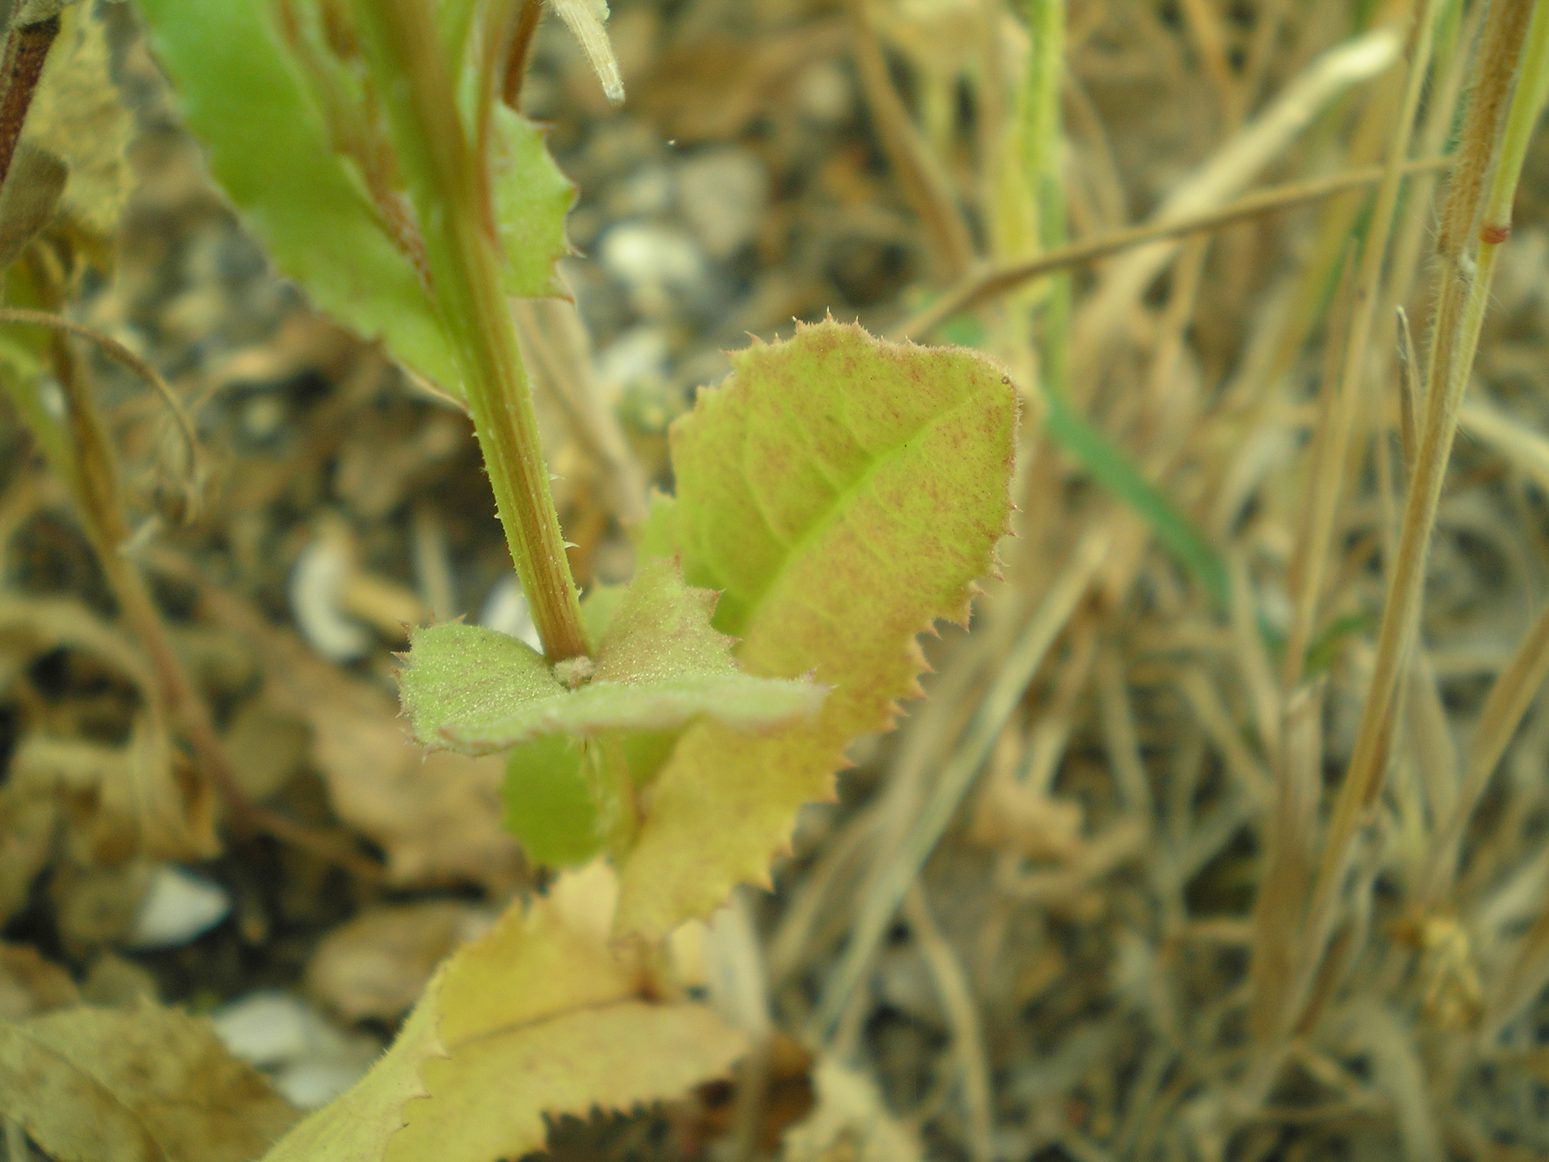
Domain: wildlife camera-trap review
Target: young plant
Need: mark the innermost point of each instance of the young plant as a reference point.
(833, 498)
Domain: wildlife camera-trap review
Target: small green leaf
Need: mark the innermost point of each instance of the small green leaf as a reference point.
(531, 199)
(842, 493)
(460, 674)
(659, 666)
(550, 805)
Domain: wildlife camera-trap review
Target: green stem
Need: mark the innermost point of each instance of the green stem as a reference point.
(449, 194)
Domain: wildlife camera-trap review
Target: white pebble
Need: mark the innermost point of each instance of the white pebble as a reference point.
(725, 193)
(823, 92)
(657, 263)
(310, 1085)
(266, 1029)
(637, 356)
(177, 907)
(316, 586)
(311, 1061)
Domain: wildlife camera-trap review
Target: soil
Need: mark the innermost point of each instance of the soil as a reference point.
(1076, 970)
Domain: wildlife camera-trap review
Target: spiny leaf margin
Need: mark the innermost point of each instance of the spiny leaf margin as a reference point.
(537, 1018)
(842, 493)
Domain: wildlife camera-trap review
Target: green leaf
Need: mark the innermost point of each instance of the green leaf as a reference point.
(531, 198)
(461, 674)
(565, 803)
(1111, 468)
(659, 665)
(842, 493)
(550, 805)
(271, 151)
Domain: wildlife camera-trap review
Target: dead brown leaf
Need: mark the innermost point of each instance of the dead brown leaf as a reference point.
(104, 764)
(103, 1085)
(378, 964)
(29, 984)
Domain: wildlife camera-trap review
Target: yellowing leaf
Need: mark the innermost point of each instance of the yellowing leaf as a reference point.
(79, 116)
(538, 1018)
(842, 493)
(100, 1085)
(28, 202)
(615, 1058)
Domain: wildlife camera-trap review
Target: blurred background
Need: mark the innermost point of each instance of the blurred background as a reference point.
(1096, 897)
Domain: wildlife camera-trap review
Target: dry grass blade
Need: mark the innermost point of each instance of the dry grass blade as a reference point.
(1464, 290)
(1292, 841)
(1327, 485)
(962, 1018)
(1509, 700)
(886, 891)
(985, 286)
(923, 182)
(1228, 171)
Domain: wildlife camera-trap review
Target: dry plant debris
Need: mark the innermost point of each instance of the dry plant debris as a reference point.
(1098, 896)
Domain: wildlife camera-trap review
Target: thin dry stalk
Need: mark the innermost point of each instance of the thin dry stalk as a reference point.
(1204, 24)
(919, 173)
(1524, 449)
(1121, 742)
(1508, 702)
(963, 1021)
(1465, 269)
(1326, 486)
(1222, 177)
(555, 344)
(1521, 982)
(1387, 1042)
(99, 500)
(985, 286)
(116, 351)
(1416, 231)
(887, 889)
(1327, 466)
(1408, 372)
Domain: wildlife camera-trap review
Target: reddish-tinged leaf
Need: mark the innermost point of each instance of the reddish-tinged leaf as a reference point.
(842, 494)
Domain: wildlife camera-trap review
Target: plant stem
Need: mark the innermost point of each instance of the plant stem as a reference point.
(26, 51)
(1467, 258)
(91, 469)
(448, 189)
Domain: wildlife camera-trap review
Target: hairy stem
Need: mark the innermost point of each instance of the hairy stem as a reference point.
(448, 188)
(1466, 262)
